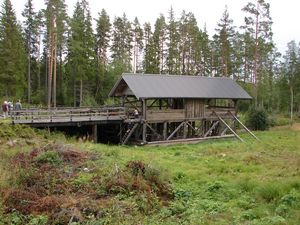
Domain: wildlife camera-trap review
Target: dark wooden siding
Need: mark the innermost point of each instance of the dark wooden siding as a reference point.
(195, 108)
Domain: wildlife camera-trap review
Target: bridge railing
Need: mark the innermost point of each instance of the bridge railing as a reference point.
(67, 114)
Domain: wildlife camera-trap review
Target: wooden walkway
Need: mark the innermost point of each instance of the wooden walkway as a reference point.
(65, 116)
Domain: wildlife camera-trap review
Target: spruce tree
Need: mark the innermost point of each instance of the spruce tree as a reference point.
(291, 71)
(103, 31)
(12, 54)
(31, 30)
(189, 44)
(224, 38)
(121, 47)
(173, 61)
(138, 45)
(81, 55)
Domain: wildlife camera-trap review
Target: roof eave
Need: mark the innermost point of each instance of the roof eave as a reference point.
(112, 91)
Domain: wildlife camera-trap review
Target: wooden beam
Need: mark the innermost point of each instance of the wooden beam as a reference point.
(153, 103)
(165, 131)
(188, 140)
(235, 134)
(195, 130)
(243, 126)
(154, 131)
(211, 128)
(175, 131)
(129, 134)
(95, 133)
(226, 128)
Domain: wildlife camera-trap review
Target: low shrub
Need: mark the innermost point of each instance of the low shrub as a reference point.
(257, 119)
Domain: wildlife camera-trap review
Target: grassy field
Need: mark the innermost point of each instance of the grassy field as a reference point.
(214, 182)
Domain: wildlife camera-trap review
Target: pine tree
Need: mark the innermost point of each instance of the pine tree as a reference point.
(12, 54)
(55, 43)
(258, 25)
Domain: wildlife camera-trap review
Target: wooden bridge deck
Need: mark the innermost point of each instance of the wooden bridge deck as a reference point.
(68, 116)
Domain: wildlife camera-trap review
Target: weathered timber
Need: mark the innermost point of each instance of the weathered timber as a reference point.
(165, 115)
(188, 140)
(235, 134)
(243, 126)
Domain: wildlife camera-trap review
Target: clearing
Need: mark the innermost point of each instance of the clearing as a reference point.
(46, 179)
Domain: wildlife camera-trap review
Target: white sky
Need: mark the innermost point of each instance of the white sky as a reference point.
(285, 14)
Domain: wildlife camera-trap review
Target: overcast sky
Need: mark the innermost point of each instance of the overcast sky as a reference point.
(285, 14)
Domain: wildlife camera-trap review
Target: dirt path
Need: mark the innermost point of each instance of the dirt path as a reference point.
(295, 127)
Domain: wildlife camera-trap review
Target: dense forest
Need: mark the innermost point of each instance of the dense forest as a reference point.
(51, 58)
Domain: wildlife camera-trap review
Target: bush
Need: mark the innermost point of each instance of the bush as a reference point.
(257, 119)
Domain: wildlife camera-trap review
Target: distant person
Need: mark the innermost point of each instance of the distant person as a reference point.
(18, 107)
(136, 113)
(10, 106)
(5, 109)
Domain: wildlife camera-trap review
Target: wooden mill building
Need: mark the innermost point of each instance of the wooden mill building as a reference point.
(151, 109)
(173, 108)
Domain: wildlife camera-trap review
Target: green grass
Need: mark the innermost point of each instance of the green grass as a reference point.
(214, 182)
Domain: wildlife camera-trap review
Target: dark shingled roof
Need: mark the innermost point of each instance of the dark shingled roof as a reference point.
(151, 86)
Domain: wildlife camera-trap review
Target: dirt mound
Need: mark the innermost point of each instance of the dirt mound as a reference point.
(139, 177)
(28, 202)
(66, 154)
(50, 177)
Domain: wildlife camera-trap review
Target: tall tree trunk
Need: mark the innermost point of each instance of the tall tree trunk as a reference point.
(256, 56)
(292, 102)
(54, 76)
(81, 94)
(29, 77)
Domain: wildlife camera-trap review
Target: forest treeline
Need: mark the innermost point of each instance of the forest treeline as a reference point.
(81, 61)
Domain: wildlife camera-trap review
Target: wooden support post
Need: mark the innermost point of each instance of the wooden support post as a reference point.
(185, 130)
(95, 133)
(165, 131)
(144, 132)
(144, 108)
(144, 105)
(203, 127)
